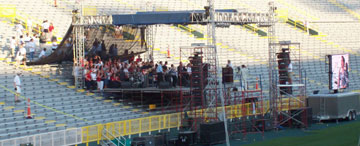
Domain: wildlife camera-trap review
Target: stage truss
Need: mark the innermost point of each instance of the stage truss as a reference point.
(213, 89)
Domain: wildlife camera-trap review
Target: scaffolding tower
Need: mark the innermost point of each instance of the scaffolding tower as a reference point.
(78, 49)
(290, 103)
(192, 102)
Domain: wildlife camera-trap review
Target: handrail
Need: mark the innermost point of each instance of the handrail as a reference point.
(109, 139)
(25, 17)
(186, 28)
(121, 138)
(159, 122)
(62, 137)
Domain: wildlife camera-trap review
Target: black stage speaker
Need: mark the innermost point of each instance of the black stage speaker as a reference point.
(172, 142)
(125, 84)
(155, 140)
(26, 144)
(164, 85)
(161, 138)
(283, 59)
(186, 138)
(212, 133)
(138, 141)
(228, 75)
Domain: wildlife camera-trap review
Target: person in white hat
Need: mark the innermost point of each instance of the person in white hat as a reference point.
(17, 86)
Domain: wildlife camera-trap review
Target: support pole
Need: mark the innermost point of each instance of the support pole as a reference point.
(217, 84)
(272, 64)
(78, 48)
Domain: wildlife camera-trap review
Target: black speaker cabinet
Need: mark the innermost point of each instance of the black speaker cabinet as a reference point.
(211, 133)
(172, 142)
(186, 138)
(155, 140)
(164, 85)
(139, 141)
(26, 144)
(125, 84)
(161, 138)
(228, 75)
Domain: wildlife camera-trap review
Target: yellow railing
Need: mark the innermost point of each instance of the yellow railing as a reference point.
(7, 11)
(16, 16)
(160, 122)
(22, 17)
(186, 28)
(133, 126)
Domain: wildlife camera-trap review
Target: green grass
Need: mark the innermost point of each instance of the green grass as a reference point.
(338, 135)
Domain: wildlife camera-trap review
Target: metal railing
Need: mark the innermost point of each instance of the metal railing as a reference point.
(16, 16)
(116, 130)
(130, 127)
(108, 137)
(57, 138)
(161, 122)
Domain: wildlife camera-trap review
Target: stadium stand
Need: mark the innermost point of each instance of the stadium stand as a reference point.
(57, 106)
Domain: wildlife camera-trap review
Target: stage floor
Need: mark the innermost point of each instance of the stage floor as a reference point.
(146, 90)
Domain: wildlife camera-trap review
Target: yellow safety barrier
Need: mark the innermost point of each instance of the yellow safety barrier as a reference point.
(160, 122)
(130, 127)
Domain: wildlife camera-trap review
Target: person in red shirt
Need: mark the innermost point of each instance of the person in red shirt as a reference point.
(132, 57)
(132, 67)
(51, 27)
(138, 59)
(88, 80)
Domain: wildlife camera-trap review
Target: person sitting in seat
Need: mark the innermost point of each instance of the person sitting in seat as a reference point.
(42, 53)
(88, 79)
(115, 81)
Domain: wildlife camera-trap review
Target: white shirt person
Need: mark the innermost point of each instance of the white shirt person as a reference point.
(17, 86)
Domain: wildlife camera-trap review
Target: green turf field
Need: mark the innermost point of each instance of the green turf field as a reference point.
(344, 133)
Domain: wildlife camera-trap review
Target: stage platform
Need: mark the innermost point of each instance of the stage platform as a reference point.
(146, 90)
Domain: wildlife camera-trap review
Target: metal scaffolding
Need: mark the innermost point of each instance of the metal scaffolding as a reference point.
(150, 31)
(214, 89)
(78, 50)
(209, 106)
(272, 61)
(290, 103)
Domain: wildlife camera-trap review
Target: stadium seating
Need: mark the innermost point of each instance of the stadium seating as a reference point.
(49, 86)
(38, 11)
(55, 105)
(50, 102)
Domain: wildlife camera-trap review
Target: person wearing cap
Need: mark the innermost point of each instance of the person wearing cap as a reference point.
(17, 86)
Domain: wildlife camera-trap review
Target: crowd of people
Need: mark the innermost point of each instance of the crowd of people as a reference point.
(117, 73)
(26, 43)
(135, 73)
